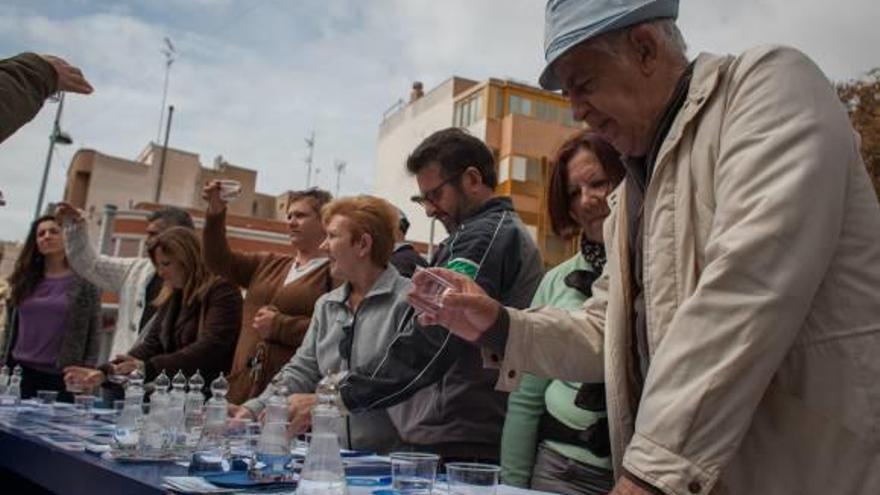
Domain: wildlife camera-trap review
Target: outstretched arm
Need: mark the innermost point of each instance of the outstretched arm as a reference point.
(26, 80)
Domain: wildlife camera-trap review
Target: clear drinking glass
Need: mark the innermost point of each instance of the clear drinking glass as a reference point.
(413, 473)
(434, 290)
(242, 435)
(47, 398)
(74, 387)
(467, 478)
(230, 189)
(83, 404)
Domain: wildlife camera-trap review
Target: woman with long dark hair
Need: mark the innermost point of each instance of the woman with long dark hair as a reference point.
(197, 321)
(53, 317)
(556, 433)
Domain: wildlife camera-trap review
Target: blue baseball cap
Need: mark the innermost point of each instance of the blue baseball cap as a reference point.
(568, 23)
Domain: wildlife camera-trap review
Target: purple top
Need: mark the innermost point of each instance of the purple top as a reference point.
(42, 322)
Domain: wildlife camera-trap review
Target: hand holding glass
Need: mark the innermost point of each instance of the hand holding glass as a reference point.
(429, 291)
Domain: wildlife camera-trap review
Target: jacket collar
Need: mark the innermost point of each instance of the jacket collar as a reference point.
(494, 204)
(383, 285)
(704, 81)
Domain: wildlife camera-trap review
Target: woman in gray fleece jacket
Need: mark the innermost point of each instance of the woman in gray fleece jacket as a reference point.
(352, 325)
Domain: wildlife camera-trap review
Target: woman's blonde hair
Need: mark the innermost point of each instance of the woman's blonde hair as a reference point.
(368, 215)
(181, 245)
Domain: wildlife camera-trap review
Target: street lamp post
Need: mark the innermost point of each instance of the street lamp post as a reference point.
(57, 136)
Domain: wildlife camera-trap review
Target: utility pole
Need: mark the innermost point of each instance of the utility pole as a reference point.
(310, 144)
(169, 52)
(164, 152)
(340, 167)
(57, 136)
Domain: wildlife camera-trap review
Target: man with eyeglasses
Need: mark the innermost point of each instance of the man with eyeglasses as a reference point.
(454, 409)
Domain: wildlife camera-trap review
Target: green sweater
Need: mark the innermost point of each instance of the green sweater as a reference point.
(527, 404)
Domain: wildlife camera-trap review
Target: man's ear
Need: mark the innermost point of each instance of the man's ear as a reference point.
(644, 44)
(471, 178)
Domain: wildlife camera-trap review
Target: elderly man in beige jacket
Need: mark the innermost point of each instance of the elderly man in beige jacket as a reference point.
(737, 324)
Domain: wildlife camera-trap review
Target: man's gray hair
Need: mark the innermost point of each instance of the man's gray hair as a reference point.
(673, 35)
(666, 27)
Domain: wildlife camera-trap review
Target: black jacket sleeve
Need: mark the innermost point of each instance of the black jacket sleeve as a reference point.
(418, 357)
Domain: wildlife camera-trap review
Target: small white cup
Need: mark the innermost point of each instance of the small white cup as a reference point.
(230, 190)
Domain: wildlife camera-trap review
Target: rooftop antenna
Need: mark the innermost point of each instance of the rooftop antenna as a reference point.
(170, 54)
(340, 167)
(310, 144)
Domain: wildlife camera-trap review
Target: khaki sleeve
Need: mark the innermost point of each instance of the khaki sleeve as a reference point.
(555, 343)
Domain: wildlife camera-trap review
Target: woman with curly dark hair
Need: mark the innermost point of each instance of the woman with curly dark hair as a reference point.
(53, 317)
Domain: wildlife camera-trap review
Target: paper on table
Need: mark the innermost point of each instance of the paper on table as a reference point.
(192, 484)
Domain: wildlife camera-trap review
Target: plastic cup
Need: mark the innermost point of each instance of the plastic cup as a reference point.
(230, 190)
(434, 289)
(117, 379)
(74, 387)
(467, 478)
(413, 473)
(47, 397)
(83, 404)
(302, 441)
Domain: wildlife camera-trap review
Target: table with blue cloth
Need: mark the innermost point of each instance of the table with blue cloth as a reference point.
(47, 447)
(59, 450)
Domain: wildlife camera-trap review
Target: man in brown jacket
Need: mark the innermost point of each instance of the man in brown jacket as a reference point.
(281, 289)
(737, 323)
(26, 80)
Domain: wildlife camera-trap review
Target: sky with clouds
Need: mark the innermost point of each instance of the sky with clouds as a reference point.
(253, 77)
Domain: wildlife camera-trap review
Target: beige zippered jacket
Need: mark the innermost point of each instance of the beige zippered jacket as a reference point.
(762, 287)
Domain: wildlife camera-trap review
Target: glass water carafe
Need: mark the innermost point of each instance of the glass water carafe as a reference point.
(323, 472)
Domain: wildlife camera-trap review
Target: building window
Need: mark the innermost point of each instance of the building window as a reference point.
(520, 105)
(518, 168)
(504, 170)
(525, 169)
(126, 247)
(547, 112)
(498, 96)
(567, 118)
(533, 171)
(468, 110)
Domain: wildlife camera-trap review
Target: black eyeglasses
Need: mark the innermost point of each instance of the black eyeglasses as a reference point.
(434, 194)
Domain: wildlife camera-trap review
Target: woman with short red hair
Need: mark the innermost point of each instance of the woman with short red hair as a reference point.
(353, 324)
